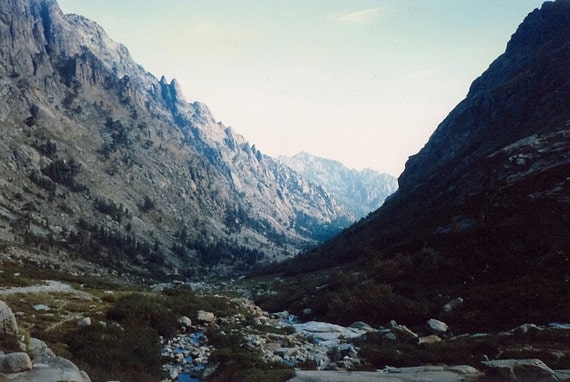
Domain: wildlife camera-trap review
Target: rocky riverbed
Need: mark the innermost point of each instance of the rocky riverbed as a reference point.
(316, 351)
(321, 351)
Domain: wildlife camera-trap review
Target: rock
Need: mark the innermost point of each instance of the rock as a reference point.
(15, 363)
(524, 329)
(519, 370)
(39, 351)
(362, 326)
(41, 308)
(436, 326)
(328, 334)
(185, 322)
(431, 339)
(450, 308)
(85, 321)
(204, 317)
(402, 331)
(8, 324)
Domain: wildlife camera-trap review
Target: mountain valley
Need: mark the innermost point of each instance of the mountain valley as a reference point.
(141, 239)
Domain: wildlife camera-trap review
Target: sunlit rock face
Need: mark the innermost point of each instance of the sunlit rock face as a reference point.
(361, 192)
(107, 163)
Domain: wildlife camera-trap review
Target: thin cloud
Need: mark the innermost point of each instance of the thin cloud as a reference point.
(365, 16)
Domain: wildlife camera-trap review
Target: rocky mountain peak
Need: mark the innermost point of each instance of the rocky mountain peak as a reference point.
(359, 191)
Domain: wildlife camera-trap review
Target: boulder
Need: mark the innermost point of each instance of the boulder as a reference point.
(436, 326)
(8, 324)
(450, 308)
(431, 339)
(524, 329)
(41, 308)
(185, 322)
(519, 370)
(204, 317)
(362, 326)
(402, 331)
(85, 321)
(15, 363)
(39, 351)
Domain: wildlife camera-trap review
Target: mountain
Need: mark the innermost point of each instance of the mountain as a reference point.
(104, 166)
(482, 210)
(358, 191)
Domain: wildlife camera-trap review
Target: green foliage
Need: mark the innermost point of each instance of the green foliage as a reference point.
(94, 241)
(147, 205)
(63, 172)
(110, 208)
(379, 352)
(112, 351)
(238, 362)
(145, 310)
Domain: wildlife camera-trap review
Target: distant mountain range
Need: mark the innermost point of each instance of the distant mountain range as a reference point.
(482, 211)
(360, 192)
(104, 166)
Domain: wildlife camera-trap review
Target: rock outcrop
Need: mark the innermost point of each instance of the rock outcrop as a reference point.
(8, 324)
(38, 364)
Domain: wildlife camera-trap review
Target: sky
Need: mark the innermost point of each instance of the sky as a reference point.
(363, 82)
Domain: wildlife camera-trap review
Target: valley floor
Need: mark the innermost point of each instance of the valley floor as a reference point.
(276, 346)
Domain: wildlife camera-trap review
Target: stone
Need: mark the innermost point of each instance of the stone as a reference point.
(525, 329)
(39, 351)
(519, 370)
(449, 308)
(15, 363)
(85, 321)
(41, 308)
(204, 317)
(8, 324)
(185, 322)
(431, 339)
(402, 331)
(436, 326)
(362, 326)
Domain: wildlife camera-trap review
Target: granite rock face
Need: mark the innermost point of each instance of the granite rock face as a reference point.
(109, 152)
(8, 324)
(360, 191)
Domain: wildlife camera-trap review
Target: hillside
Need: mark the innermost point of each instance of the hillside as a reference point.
(360, 192)
(106, 168)
(481, 211)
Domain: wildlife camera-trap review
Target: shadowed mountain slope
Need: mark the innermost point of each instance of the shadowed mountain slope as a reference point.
(486, 201)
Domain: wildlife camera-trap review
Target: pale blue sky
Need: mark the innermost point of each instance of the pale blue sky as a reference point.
(364, 82)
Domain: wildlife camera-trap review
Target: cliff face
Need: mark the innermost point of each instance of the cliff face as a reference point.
(497, 153)
(102, 161)
(359, 191)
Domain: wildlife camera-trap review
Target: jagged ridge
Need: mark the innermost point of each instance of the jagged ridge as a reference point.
(100, 158)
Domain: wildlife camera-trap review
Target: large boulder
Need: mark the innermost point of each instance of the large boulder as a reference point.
(204, 317)
(8, 324)
(520, 370)
(436, 326)
(55, 370)
(15, 363)
(39, 351)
